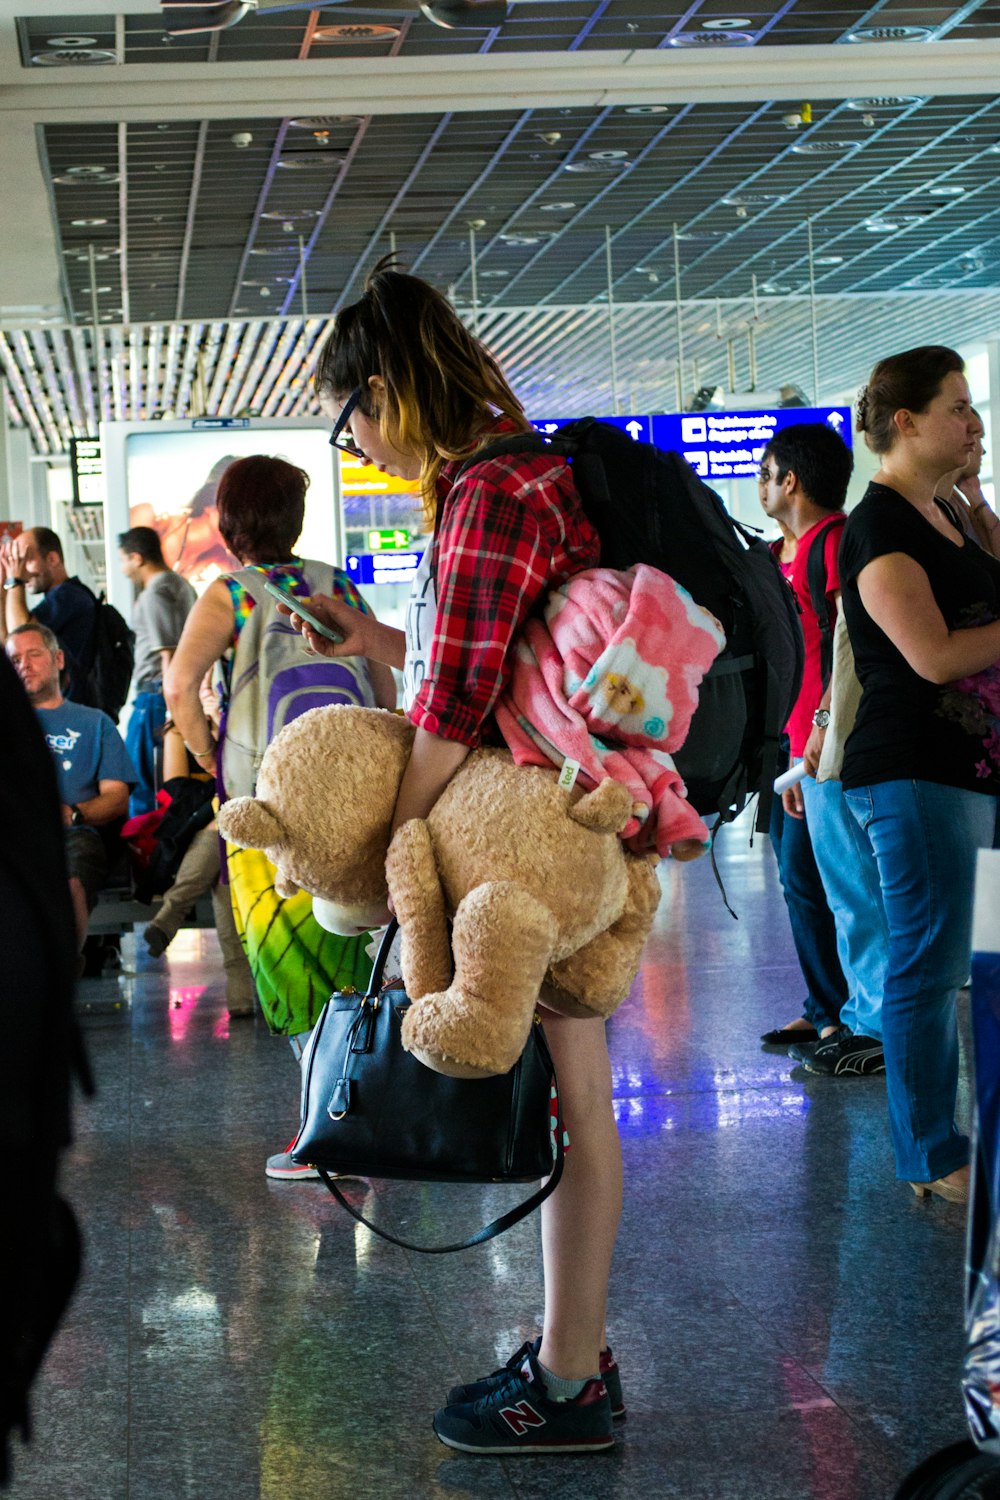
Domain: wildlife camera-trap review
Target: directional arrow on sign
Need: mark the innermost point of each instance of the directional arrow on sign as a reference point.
(633, 429)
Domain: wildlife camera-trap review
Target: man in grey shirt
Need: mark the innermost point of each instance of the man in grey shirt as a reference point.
(161, 607)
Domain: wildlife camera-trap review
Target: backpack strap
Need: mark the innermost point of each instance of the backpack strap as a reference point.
(816, 579)
(506, 447)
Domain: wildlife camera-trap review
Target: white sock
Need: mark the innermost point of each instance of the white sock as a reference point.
(558, 1389)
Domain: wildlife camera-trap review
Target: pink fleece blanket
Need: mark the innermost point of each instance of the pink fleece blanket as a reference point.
(609, 677)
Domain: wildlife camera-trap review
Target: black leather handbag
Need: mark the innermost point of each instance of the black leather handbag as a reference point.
(370, 1109)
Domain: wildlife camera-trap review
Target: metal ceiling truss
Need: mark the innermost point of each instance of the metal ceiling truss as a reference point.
(60, 382)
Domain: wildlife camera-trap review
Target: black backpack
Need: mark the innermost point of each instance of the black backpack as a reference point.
(650, 507)
(189, 811)
(112, 658)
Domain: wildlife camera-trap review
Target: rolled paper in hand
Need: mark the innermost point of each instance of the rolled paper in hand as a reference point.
(790, 777)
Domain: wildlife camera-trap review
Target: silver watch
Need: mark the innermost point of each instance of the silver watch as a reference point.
(13, 583)
(821, 718)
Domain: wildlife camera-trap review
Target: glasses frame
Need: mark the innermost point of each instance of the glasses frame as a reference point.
(346, 444)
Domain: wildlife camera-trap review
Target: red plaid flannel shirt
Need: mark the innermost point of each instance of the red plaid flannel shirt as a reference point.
(509, 531)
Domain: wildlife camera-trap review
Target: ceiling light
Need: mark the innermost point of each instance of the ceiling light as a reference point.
(73, 57)
(890, 34)
(752, 200)
(608, 155)
(880, 226)
(702, 234)
(291, 213)
(324, 122)
(523, 239)
(285, 249)
(356, 32)
(884, 101)
(86, 223)
(496, 274)
(310, 160)
(71, 41)
(556, 208)
(590, 165)
(946, 190)
(824, 147)
(647, 109)
(771, 288)
(829, 260)
(726, 23)
(711, 39)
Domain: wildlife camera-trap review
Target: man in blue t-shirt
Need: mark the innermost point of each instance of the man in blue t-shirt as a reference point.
(93, 768)
(33, 563)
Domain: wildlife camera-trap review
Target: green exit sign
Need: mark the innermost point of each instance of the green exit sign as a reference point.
(388, 541)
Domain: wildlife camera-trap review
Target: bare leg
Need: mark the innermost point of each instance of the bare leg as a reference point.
(580, 1220)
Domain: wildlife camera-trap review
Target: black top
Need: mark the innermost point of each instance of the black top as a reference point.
(70, 611)
(908, 728)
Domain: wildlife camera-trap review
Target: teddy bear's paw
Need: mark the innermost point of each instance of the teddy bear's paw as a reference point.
(463, 1036)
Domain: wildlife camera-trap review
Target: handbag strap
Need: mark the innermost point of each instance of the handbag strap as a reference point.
(504, 1221)
(381, 959)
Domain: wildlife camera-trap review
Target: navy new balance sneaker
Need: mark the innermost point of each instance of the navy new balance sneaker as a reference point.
(477, 1389)
(517, 1416)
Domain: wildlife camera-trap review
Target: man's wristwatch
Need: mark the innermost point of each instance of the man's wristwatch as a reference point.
(13, 583)
(821, 718)
(76, 817)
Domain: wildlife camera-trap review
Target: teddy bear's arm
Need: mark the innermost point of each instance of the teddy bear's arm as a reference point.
(503, 939)
(600, 974)
(415, 888)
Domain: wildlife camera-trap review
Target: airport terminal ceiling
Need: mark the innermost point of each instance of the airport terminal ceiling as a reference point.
(201, 247)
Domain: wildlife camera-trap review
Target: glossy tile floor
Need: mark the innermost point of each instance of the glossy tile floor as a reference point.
(787, 1318)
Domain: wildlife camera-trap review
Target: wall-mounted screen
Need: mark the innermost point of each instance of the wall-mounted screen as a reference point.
(166, 475)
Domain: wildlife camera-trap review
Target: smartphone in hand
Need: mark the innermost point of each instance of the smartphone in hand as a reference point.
(286, 597)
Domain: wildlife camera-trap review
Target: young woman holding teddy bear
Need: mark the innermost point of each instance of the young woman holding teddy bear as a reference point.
(412, 391)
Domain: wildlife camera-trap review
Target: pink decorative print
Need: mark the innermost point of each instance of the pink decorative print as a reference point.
(609, 677)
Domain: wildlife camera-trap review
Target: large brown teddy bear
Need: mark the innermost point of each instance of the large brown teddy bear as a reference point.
(542, 895)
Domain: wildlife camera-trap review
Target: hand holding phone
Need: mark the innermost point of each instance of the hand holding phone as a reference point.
(290, 601)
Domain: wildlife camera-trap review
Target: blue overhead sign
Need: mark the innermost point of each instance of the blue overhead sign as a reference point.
(383, 567)
(723, 444)
(717, 445)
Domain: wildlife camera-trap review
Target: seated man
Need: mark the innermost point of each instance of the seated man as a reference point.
(93, 768)
(33, 563)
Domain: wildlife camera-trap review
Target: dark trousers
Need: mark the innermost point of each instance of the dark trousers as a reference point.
(813, 931)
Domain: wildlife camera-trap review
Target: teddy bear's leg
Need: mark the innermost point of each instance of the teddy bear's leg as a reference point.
(502, 940)
(415, 888)
(600, 974)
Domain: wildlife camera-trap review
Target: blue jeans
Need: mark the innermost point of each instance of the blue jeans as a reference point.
(925, 838)
(810, 918)
(851, 881)
(149, 713)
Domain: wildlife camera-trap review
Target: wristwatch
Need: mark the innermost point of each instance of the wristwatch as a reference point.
(13, 583)
(821, 718)
(77, 819)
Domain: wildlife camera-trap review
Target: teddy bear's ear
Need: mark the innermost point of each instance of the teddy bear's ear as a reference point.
(249, 823)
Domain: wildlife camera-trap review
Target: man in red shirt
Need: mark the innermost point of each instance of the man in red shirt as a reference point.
(804, 474)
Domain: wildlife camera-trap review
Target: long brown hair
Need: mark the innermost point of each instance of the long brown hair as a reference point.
(442, 386)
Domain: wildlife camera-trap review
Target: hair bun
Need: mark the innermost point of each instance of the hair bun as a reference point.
(862, 408)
